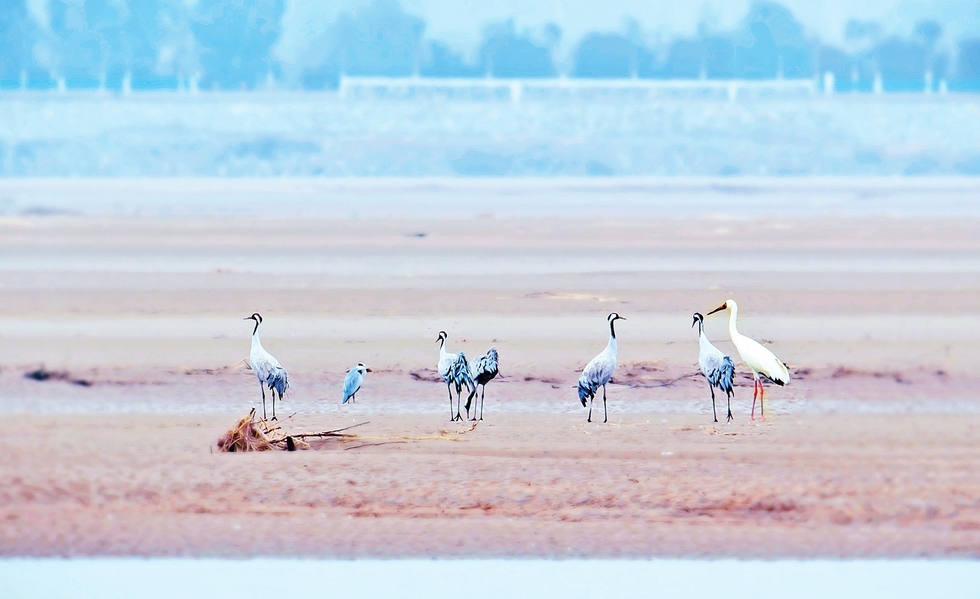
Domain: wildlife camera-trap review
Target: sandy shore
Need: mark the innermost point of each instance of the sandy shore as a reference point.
(870, 451)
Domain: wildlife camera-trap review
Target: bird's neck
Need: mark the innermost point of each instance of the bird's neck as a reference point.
(613, 345)
(256, 342)
(442, 349)
(732, 327)
(702, 340)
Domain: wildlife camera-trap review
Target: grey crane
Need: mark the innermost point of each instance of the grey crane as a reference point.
(482, 371)
(716, 367)
(456, 372)
(353, 380)
(266, 368)
(600, 370)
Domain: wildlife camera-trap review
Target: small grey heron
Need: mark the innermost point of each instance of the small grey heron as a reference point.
(600, 370)
(716, 367)
(758, 358)
(353, 380)
(266, 368)
(482, 371)
(455, 371)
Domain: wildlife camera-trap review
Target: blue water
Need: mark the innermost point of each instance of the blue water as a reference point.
(300, 134)
(366, 579)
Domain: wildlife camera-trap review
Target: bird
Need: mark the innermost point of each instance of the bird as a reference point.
(600, 370)
(716, 367)
(266, 368)
(353, 380)
(455, 371)
(758, 358)
(482, 371)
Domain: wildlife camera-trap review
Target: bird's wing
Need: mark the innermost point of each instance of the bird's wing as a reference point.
(600, 369)
(264, 364)
(352, 382)
(445, 363)
(761, 359)
(459, 369)
(710, 357)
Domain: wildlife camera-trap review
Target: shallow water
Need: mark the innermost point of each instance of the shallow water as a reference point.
(108, 578)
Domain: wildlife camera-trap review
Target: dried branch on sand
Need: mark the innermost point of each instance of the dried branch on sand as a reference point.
(251, 434)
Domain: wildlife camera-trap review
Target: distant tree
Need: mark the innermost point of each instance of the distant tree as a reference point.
(177, 49)
(772, 42)
(15, 28)
(861, 38)
(759, 59)
(685, 60)
(504, 53)
(836, 61)
(442, 61)
(902, 63)
(928, 32)
(968, 61)
(381, 39)
(604, 55)
(80, 52)
(719, 58)
(236, 38)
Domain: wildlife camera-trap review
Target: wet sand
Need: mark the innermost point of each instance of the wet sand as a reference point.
(870, 451)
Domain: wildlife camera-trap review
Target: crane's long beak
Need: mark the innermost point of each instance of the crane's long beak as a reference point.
(718, 309)
(620, 318)
(248, 318)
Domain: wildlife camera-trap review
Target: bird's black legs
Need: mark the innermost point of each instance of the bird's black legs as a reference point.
(715, 414)
(605, 415)
(730, 417)
(452, 416)
(273, 394)
(483, 396)
(590, 408)
(261, 388)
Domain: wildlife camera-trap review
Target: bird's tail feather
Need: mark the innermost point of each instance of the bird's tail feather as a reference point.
(726, 378)
(279, 381)
(585, 391)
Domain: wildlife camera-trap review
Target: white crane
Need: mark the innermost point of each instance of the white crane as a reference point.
(353, 380)
(455, 371)
(758, 358)
(482, 371)
(266, 368)
(600, 370)
(716, 367)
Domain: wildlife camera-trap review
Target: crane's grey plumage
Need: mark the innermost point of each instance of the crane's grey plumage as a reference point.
(482, 371)
(716, 367)
(266, 368)
(353, 380)
(456, 372)
(600, 370)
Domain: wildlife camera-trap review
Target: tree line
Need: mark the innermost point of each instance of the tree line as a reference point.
(230, 44)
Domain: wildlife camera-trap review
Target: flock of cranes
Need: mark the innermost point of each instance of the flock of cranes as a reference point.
(717, 368)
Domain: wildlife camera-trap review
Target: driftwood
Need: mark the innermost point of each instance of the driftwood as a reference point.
(251, 434)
